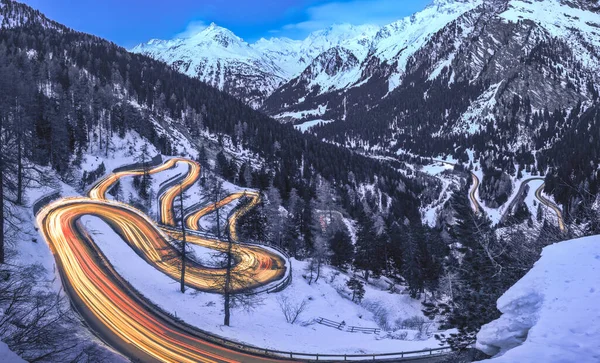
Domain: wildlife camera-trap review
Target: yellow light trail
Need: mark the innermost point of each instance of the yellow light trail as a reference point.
(554, 207)
(193, 219)
(110, 306)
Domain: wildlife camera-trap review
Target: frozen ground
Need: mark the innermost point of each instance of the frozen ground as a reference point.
(8, 356)
(305, 126)
(438, 169)
(265, 325)
(552, 314)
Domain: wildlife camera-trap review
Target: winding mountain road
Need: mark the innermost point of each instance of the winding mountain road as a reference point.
(538, 194)
(112, 308)
(474, 187)
(540, 197)
(472, 194)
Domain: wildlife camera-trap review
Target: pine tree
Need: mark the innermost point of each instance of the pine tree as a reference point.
(342, 249)
(481, 272)
(368, 255)
(357, 287)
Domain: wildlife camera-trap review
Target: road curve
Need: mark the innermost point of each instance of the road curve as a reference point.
(258, 266)
(474, 202)
(109, 305)
(540, 197)
(549, 204)
(99, 190)
(538, 194)
(193, 219)
(472, 192)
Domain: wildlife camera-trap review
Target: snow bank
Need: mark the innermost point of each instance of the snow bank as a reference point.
(8, 356)
(553, 313)
(305, 126)
(328, 298)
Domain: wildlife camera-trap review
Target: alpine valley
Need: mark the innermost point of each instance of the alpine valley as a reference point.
(462, 74)
(422, 190)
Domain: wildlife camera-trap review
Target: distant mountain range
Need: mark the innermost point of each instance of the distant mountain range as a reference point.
(503, 82)
(314, 78)
(328, 60)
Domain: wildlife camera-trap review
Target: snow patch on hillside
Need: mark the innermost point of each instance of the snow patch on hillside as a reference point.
(8, 356)
(309, 124)
(552, 314)
(328, 298)
(576, 26)
(298, 115)
(479, 113)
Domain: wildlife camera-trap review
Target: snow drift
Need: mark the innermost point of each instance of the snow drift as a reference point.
(553, 313)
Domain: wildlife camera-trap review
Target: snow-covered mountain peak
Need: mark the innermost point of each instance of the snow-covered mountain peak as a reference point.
(342, 31)
(577, 21)
(219, 35)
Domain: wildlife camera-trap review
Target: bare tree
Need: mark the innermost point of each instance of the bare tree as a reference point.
(234, 284)
(215, 194)
(38, 325)
(183, 241)
(291, 309)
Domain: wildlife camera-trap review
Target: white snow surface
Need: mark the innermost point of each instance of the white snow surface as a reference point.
(216, 52)
(552, 314)
(305, 126)
(8, 356)
(327, 298)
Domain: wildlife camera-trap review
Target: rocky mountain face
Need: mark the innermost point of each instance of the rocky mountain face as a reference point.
(251, 72)
(500, 80)
(493, 42)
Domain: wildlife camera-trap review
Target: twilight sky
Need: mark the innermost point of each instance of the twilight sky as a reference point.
(129, 22)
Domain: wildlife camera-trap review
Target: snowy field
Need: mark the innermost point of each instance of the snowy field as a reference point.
(8, 356)
(552, 314)
(265, 325)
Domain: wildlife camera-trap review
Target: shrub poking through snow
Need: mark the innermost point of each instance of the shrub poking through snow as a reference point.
(291, 310)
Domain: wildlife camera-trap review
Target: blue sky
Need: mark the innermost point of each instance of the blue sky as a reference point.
(129, 22)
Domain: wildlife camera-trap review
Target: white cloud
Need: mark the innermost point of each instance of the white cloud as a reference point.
(379, 12)
(192, 29)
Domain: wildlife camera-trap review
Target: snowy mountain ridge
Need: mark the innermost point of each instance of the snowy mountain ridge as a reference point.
(219, 57)
(13, 14)
(282, 76)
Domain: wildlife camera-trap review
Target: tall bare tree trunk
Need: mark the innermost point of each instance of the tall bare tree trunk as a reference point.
(19, 169)
(1, 198)
(19, 130)
(217, 197)
(227, 285)
(183, 242)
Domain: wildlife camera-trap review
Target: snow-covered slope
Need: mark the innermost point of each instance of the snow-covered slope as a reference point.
(389, 50)
(545, 51)
(254, 71)
(14, 14)
(396, 42)
(251, 72)
(552, 314)
(576, 21)
(220, 58)
(8, 356)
